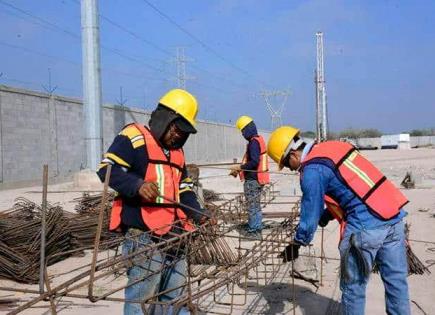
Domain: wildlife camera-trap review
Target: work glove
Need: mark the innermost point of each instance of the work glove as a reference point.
(235, 170)
(208, 216)
(291, 252)
(325, 218)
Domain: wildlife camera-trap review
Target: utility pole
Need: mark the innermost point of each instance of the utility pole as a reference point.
(181, 61)
(91, 83)
(319, 79)
(275, 111)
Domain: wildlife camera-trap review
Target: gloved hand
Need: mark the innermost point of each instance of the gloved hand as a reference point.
(325, 218)
(206, 218)
(291, 252)
(235, 170)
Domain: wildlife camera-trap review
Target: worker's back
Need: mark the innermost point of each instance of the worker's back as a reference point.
(357, 214)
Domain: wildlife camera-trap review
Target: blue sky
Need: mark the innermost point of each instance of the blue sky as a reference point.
(378, 56)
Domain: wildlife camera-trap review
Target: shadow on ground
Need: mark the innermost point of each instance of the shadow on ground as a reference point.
(279, 297)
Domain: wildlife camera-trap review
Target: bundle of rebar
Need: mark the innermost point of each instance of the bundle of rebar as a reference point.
(89, 204)
(211, 249)
(210, 195)
(415, 266)
(66, 233)
(83, 226)
(20, 239)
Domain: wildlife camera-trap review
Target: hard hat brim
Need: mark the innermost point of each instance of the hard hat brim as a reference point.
(184, 125)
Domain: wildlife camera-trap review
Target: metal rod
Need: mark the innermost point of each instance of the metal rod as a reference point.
(252, 171)
(98, 233)
(51, 298)
(43, 227)
(322, 254)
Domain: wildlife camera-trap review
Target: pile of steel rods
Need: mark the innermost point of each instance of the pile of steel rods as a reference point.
(83, 225)
(415, 266)
(20, 238)
(210, 195)
(66, 233)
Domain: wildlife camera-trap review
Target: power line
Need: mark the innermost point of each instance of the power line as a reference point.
(196, 39)
(157, 47)
(78, 64)
(50, 24)
(53, 26)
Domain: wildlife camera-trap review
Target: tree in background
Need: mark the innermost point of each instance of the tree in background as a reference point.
(422, 132)
(370, 133)
(359, 133)
(308, 134)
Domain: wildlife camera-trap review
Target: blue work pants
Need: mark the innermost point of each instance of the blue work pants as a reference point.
(359, 250)
(252, 190)
(157, 273)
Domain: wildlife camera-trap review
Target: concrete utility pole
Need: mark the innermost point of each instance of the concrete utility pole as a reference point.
(181, 61)
(321, 107)
(91, 83)
(275, 112)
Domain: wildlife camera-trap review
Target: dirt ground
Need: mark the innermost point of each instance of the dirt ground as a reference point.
(276, 297)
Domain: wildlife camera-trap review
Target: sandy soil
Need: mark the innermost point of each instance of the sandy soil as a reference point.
(276, 297)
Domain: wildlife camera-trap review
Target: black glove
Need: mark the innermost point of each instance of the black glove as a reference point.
(325, 218)
(291, 252)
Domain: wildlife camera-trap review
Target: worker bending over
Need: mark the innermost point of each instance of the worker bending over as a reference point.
(373, 231)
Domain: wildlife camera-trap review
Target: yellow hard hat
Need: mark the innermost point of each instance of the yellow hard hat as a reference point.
(181, 102)
(279, 142)
(242, 122)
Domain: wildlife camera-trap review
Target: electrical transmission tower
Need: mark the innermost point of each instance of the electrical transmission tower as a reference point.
(271, 97)
(319, 79)
(181, 60)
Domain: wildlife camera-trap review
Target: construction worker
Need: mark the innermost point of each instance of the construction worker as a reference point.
(149, 175)
(371, 218)
(254, 172)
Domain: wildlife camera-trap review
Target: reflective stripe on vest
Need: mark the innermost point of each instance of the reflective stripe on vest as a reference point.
(263, 175)
(361, 176)
(160, 214)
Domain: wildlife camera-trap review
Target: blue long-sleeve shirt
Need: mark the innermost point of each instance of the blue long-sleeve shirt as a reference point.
(318, 179)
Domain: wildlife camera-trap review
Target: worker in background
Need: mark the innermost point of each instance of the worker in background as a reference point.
(149, 175)
(372, 208)
(254, 172)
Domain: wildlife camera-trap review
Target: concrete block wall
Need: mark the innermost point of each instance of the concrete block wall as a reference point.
(414, 141)
(422, 141)
(37, 129)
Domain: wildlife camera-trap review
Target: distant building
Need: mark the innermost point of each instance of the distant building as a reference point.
(400, 141)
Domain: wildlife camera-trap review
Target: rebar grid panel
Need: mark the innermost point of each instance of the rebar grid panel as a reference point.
(213, 263)
(235, 210)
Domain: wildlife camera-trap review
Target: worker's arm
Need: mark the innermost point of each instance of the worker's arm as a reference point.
(121, 155)
(189, 198)
(313, 183)
(254, 156)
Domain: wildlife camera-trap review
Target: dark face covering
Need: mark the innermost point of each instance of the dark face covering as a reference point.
(249, 131)
(161, 119)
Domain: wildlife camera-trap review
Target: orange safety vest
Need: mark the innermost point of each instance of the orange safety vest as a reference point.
(361, 176)
(159, 215)
(334, 208)
(263, 175)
